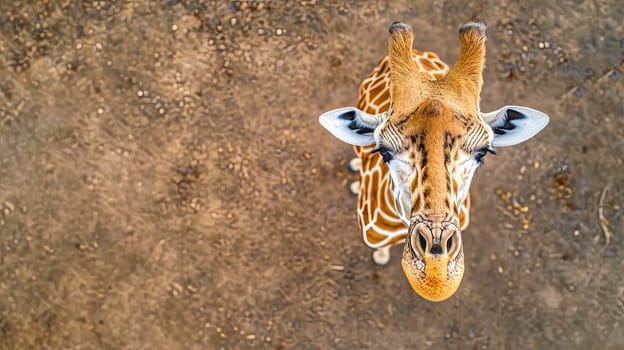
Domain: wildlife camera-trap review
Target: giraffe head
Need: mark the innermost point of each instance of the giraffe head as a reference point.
(432, 139)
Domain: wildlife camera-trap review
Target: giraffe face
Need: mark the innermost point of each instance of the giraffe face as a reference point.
(432, 154)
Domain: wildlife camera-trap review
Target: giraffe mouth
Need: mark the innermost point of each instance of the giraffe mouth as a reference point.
(433, 277)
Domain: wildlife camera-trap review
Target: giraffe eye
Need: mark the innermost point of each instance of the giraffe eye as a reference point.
(385, 154)
(480, 153)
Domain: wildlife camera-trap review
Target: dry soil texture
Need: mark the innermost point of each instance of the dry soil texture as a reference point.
(165, 184)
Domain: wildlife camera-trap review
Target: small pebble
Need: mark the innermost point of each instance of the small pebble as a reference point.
(174, 27)
(10, 206)
(614, 75)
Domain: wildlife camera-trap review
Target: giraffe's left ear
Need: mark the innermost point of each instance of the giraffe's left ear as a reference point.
(352, 125)
(514, 124)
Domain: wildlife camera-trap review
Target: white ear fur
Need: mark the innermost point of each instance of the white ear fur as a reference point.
(514, 124)
(352, 125)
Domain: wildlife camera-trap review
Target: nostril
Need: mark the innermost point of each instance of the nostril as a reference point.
(422, 241)
(436, 249)
(449, 243)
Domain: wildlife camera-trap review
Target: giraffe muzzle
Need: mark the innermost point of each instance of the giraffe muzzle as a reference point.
(430, 239)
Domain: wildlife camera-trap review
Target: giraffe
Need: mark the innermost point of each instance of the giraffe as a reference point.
(419, 135)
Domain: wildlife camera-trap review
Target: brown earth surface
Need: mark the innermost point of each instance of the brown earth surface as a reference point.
(165, 184)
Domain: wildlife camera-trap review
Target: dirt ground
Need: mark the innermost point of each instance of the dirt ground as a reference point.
(165, 184)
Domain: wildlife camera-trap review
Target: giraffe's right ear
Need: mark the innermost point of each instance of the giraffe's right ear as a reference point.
(352, 125)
